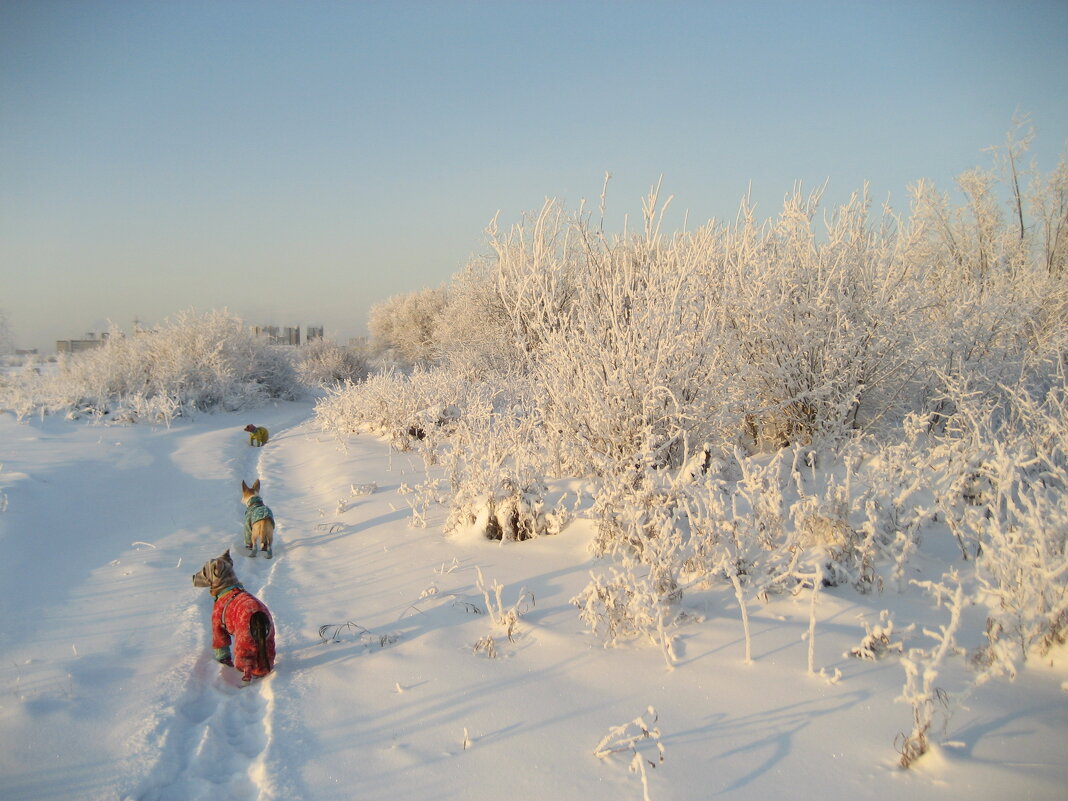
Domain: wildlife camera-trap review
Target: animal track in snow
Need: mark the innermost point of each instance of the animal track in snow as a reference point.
(216, 745)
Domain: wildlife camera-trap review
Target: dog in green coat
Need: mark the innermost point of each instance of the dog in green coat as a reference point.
(259, 520)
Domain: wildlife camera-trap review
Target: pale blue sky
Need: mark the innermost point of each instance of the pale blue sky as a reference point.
(298, 162)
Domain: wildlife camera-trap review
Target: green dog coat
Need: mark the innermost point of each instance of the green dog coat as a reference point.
(255, 511)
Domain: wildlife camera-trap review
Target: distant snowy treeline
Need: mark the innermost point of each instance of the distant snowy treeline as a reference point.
(191, 363)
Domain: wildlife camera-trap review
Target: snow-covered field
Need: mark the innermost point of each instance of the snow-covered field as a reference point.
(109, 690)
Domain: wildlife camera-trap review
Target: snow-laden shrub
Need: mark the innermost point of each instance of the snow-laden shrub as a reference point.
(1048, 204)
(474, 332)
(408, 409)
(404, 325)
(1003, 490)
(504, 617)
(192, 363)
(482, 435)
(495, 463)
(895, 504)
(618, 334)
(500, 306)
(324, 362)
(626, 604)
(818, 322)
(759, 526)
(930, 702)
(878, 641)
(641, 740)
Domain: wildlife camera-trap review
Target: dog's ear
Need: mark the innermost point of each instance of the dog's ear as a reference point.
(245, 486)
(226, 557)
(255, 486)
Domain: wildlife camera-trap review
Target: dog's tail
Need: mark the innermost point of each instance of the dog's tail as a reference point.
(259, 626)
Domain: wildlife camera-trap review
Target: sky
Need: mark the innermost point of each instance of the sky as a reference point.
(298, 163)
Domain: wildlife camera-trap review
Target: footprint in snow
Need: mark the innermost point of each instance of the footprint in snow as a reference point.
(216, 743)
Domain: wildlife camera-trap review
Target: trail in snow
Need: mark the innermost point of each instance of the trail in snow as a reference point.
(216, 741)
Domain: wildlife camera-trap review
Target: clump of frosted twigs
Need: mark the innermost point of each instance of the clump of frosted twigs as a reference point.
(878, 641)
(504, 617)
(486, 646)
(635, 738)
(410, 410)
(922, 666)
(333, 632)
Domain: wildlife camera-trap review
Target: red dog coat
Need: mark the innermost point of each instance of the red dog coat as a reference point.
(231, 617)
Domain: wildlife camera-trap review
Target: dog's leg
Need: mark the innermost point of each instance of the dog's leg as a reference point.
(268, 537)
(260, 629)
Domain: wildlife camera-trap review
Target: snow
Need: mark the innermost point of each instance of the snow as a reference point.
(110, 691)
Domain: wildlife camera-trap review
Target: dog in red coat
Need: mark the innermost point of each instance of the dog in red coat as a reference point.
(238, 619)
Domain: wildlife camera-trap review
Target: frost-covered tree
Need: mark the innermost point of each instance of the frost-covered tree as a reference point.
(819, 324)
(632, 372)
(323, 361)
(502, 306)
(1049, 204)
(474, 332)
(404, 324)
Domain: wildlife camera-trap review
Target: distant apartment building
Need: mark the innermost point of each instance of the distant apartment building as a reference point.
(90, 341)
(268, 331)
(289, 335)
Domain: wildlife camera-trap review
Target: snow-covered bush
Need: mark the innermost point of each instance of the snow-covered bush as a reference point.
(192, 363)
(495, 464)
(502, 305)
(1048, 201)
(623, 342)
(1003, 469)
(324, 362)
(482, 435)
(474, 332)
(819, 323)
(930, 703)
(897, 477)
(627, 603)
(404, 325)
(505, 617)
(408, 409)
